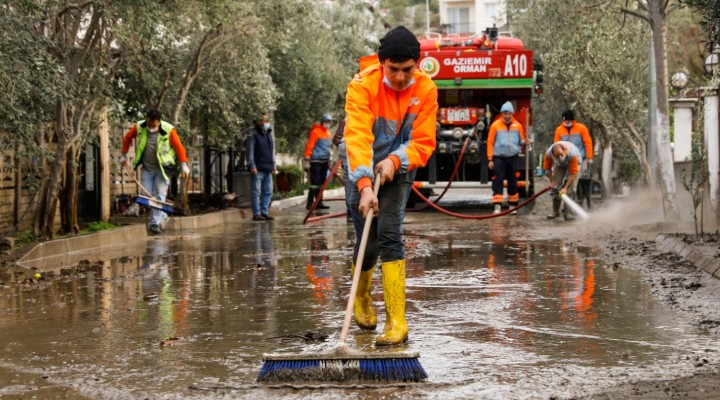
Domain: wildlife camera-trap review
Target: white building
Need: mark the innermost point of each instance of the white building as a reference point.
(472, 16)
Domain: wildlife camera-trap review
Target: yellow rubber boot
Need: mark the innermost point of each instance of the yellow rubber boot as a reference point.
(396, 330)
(362, 308)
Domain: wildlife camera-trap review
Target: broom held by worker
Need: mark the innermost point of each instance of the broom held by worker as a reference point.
(158, 145)
(390, 131)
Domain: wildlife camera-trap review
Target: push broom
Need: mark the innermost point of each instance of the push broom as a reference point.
(344, 363)
(149, 201)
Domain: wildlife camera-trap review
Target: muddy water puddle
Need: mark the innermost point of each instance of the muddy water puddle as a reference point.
(493, 312)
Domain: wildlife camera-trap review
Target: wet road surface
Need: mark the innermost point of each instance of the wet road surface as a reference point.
(493, 312)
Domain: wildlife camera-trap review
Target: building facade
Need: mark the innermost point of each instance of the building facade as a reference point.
(474, 16)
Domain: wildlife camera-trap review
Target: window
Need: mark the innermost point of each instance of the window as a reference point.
(490, 11)
(458, 20)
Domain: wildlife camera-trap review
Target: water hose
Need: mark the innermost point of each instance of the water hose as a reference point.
(318, 198)
(452, 177)
(482, 216)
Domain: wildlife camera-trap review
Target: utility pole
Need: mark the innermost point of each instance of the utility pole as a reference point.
(427, 16)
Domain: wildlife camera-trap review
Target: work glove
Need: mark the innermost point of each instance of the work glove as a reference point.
(123, 160)
(185, 168)
(306, 165)
(590, 161)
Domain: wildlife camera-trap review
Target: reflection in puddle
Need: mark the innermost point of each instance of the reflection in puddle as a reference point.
(492, 315)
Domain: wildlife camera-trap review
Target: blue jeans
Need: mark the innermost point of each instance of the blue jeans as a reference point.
(262, 188)
(155, 182)
(385, 239)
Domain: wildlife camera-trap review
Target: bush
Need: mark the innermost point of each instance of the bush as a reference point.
(289, 178)
(101, 226)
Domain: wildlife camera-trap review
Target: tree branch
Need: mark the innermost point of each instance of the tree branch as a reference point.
(91, 38)
(636, 14)
(71, 7)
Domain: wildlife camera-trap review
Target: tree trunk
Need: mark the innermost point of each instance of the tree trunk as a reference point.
(69, 193)
(45, 212)
(105, 161)
(607, 159)
(17, 194)
(666, 170)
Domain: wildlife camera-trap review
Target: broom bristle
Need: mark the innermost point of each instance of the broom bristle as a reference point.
(393, 367)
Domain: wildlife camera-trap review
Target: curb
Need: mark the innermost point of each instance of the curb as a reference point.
(137, 231)
(690, 253)
(118, 237)
(203, 221)
(284, 204)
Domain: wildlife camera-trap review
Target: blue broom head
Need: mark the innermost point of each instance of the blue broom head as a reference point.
(152, 203)
(390, 368)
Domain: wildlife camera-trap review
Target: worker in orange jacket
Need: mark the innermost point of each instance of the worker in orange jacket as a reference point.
(317, 157)
(505, 140)
(390, 132)
(576, 133)
(562, 164)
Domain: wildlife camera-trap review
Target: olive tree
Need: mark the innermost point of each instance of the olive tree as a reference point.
(596, 64)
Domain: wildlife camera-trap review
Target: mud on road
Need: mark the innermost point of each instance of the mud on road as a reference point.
(625, 231)
(513, 308)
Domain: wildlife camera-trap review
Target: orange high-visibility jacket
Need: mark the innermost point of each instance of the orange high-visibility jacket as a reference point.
(318, 144)
(505, 140)
(572, 162)
(174, 142)
(385, 123)
(578, 135)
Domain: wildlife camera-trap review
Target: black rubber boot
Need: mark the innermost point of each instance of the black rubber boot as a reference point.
(310, 199)
(556, 209)
(322, 206)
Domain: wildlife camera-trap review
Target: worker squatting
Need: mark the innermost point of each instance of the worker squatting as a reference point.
(473, 64)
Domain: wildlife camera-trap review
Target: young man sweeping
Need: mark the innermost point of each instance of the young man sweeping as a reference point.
(390, 132)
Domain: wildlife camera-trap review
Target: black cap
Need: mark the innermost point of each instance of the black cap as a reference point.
(399, 43)
(568, 115)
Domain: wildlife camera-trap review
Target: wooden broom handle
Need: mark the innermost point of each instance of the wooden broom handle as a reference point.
(358, 266)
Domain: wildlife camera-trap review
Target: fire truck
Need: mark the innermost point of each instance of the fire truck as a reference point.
(475, 75)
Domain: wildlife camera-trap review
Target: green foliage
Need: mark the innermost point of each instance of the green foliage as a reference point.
(710, 11)
(289, 180)
(596, 62)
(211, 67)
(25, 237)
(30, 79)
(101, 226)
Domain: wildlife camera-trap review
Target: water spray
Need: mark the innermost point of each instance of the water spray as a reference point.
(575, 207)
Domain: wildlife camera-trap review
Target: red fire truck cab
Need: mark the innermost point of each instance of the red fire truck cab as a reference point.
(475, 75)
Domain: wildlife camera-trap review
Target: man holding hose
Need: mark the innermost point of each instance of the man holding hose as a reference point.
(562, 162)
(390, 132)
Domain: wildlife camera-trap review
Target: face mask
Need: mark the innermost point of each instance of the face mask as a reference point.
(266, 126)
(153, 130)
(567, 124)
(390, 85)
